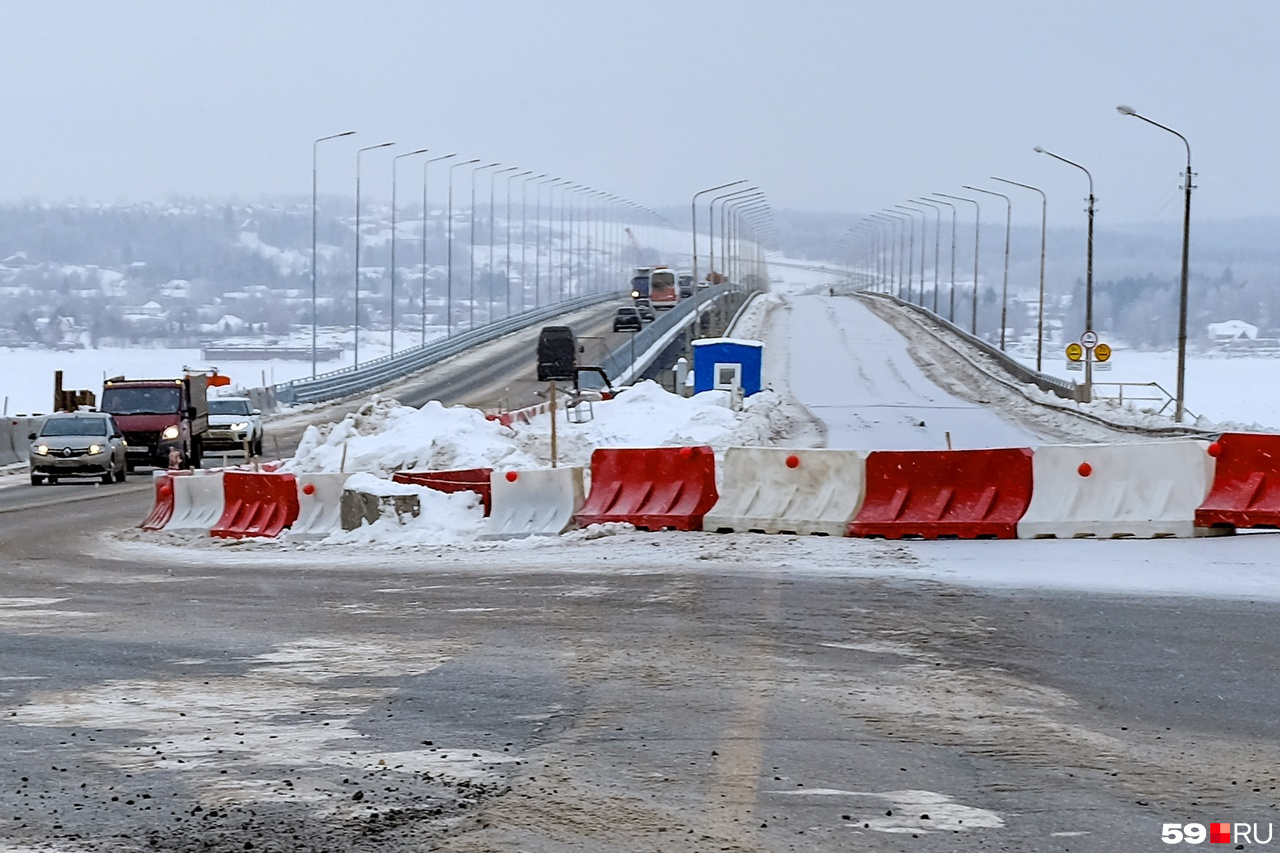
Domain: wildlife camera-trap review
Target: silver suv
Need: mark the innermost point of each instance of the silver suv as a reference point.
(77, 444)
(233, 424)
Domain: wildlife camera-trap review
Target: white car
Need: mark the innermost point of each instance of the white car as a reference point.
(233, 421)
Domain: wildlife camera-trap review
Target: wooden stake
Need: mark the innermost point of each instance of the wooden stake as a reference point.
(551, 393)
(948, 439)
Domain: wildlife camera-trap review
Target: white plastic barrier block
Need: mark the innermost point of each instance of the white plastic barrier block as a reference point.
(778, 490)
(1112, 491)
(319, 505)
(541, 502)
(197, 501)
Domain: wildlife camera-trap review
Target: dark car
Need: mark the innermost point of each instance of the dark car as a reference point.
(627, 318)
(645, 307)
(557, 354)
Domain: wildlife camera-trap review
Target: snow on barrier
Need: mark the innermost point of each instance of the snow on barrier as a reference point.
(521, 416)
(945, 494)
(541, 502)
(162, 508)
(256, 504)
(319, 505)
(1246, 483)
(197, 501)
(1145, 491)
(652, 488)
(777, 490)
(459, 480)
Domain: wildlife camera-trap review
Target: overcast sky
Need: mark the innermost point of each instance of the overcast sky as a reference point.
(841, 105)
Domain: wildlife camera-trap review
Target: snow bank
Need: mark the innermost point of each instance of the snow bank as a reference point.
(444, 519)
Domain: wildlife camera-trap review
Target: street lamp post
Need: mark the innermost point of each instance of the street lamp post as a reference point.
(537, 236)
(937, 234)
(524, 232)
(951, 291)
(694, 210)
(493, 177)
(911, 249)
(507, 231)
(1044, 225)
(977, 230)
(1088, 275)
(448, 300)
(748, 193)
(1004, 288)
(1179, 404)
(356, 351)
(471, 249)
(395, 161)
(425, 208)
(315, 204)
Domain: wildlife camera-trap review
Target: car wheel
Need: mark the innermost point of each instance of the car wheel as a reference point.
(108, 478)
(257, 447)
(53, 481)
(37, 480)
(122, 473)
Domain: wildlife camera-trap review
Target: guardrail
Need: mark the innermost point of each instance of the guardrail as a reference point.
(1064, 388)
(353, 380)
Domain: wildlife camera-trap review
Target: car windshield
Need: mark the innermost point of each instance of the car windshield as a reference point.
(229, 407)
(141, 401)
(75, 426)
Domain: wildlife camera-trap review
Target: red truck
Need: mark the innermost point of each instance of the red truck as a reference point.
(164, 421)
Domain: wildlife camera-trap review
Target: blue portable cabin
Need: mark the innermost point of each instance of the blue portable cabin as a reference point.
(720, 363)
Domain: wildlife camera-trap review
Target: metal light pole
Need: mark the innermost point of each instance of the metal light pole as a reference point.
(750, 193)
(537, 237)
(911, 211)
(977, 230)
(887, 244)
(395, 161)
(424, 241)
(507, 229)
(493, 177)
(524, 231)
(1088, 280)
(448, 307)
(1004, 290)
(902, 219)
(694, 209)
(937, 234)
(951, 292)
(315, 203)
(1044, 225)
(471, 249)
(1180, 400)
(356, 330)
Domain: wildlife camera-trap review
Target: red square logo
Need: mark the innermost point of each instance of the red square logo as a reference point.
(1219, 833)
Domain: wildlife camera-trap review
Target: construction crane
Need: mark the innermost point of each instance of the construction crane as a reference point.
(635, 245)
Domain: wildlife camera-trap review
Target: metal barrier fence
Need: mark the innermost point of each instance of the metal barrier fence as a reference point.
(1064, 388)
(352, 380)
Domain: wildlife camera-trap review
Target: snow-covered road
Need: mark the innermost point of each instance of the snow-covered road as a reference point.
(855, 373)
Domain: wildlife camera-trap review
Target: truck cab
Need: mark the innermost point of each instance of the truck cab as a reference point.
(164, 421)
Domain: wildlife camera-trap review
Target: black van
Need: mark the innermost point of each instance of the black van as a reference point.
(557, 354)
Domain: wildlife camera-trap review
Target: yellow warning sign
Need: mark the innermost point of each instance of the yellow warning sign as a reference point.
(1075, 352)
(1102, 352)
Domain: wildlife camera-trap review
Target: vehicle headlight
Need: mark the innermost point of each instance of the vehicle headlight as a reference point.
(95, 449)
(42, 449)
(239, 426)
(170, 432)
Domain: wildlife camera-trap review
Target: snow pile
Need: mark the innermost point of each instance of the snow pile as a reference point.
(383, 436)
(443, 519)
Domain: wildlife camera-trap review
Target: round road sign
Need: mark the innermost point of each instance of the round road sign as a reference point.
(1075, 352)
(1089, 339)
(1102, 352)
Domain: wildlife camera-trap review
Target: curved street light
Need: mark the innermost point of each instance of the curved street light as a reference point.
(537, 235)
(395, 161)
(911, 249)
(1004, 289)
(425, 208)
(748, 193)
(694, 210)
(449, 240)
(1088, 275)
(1044, 224)
(977, 231)
(471, 249)
(1179, 407)
(951, 291)
(493, 177)
(356, 330)
(507, 230)
(314, 207)
(937, 235)
(524, 230)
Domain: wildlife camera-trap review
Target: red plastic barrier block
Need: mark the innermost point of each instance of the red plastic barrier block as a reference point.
(256, 503)
(162, 509)
(1246, 482)
(460, 480)
(945, 494)
(652, 488)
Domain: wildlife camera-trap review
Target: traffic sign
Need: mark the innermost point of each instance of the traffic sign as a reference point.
(1075, 365)
(1074, 352)
(1089, 339)
(1102, 352)
(1102, 365)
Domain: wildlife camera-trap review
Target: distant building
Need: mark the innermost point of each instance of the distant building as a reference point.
(1232, 330)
